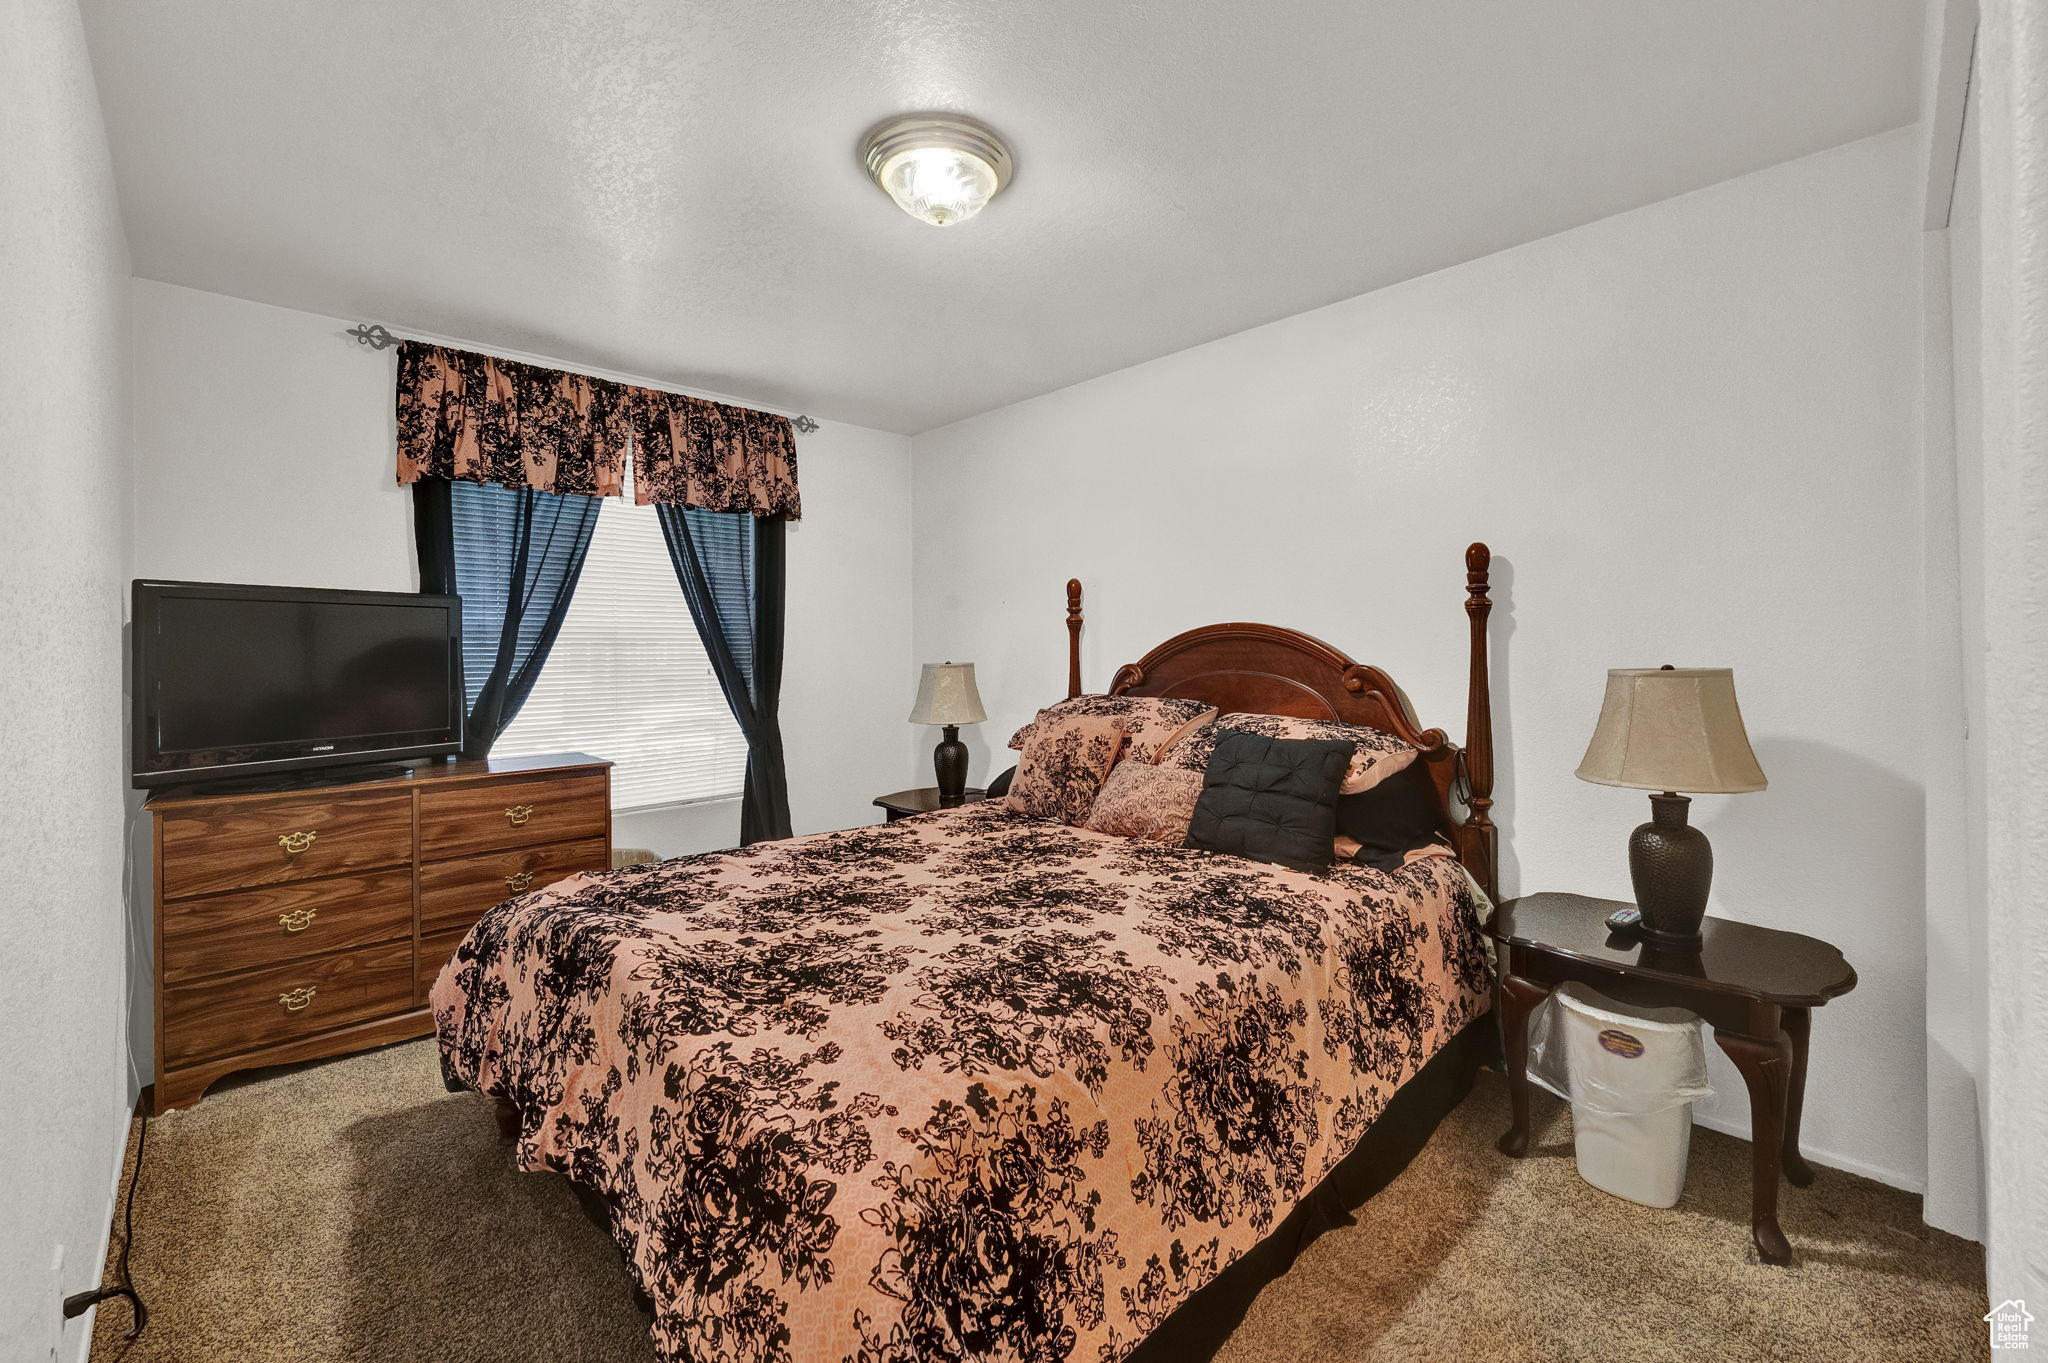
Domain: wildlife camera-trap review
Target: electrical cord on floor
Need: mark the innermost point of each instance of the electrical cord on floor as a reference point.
(124, 1282)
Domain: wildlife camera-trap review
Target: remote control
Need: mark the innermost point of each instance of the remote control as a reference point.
(1625, 919)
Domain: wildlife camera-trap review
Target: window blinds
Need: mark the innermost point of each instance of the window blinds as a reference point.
(628, 679)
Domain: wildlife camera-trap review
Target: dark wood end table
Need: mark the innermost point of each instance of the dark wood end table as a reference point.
(1756, 987)
(905, 803)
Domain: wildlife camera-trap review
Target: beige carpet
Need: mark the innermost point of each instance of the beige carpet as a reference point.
(354, 1210)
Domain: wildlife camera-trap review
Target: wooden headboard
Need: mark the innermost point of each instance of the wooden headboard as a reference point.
(1263, 669)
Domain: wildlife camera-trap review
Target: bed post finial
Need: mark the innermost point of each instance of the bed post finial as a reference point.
(1478, 755)
(1073, 637)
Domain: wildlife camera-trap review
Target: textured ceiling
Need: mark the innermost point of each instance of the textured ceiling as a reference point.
(671, 189)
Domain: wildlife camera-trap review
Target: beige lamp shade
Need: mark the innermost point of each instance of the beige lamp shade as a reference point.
(946, 695)
(1672, 728)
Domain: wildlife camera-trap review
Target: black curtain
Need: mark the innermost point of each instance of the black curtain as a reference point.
(734, 575)
(513, 555)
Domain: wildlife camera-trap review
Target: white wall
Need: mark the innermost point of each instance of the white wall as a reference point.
(264, 454)
(1954, 754)
(1690, 433)
(63, 554)
(2004, 487)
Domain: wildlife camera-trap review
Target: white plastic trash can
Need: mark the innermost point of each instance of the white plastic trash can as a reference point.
(1631, 1075)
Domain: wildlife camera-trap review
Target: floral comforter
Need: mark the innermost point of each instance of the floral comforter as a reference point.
(973, 1085)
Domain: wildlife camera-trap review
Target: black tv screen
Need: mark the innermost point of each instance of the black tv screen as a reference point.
(233, 680)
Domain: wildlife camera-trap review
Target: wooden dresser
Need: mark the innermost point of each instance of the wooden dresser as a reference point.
(302, 923)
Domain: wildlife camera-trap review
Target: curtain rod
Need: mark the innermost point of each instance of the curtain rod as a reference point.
(377, 336)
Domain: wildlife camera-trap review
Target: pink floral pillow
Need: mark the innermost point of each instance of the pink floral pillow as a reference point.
(1140, 800)
(1064, 763)
(1375, 755)
(1149, 722)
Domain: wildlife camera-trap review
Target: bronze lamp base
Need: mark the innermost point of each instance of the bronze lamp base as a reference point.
(949, 765)
(1672, 866)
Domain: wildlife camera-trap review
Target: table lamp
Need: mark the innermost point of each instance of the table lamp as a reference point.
(1671, 729)
(946, 695)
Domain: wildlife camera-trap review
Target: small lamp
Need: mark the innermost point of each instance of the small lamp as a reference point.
(946, 695)
(1671, 729)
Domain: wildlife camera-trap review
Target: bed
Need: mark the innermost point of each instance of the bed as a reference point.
(978, 1085)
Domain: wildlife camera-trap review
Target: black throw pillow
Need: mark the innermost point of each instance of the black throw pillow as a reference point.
(1392, 819)
(1271, 799)
(1000, 787)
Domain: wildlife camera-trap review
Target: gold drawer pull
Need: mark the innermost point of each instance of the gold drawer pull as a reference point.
(298, 920)
(518, 814)
(297, 1000)
(295, 843)
(519, 882)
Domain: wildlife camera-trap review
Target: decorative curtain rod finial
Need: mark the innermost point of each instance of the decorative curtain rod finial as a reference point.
(804, 424)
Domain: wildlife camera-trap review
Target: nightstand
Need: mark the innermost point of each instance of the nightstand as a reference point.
(905, 803)
(1756, 987)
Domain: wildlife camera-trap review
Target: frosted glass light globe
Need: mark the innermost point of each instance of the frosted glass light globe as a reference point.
(939, 168)
(939, 185)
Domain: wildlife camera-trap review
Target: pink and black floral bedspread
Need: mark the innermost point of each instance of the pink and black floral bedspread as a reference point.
(974, 1085)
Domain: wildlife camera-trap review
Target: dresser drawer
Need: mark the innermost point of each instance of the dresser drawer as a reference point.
(469, 819)
(242, 1012)
(434, 953)
(235, 846)
(285, 923)
(454, 894)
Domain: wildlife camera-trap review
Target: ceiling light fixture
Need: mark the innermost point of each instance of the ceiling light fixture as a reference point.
(939, 168)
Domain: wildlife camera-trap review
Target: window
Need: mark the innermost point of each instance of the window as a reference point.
(628, 679)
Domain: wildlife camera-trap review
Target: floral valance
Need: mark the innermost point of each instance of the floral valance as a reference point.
(476, 418)
(479, 419)
(691, 452)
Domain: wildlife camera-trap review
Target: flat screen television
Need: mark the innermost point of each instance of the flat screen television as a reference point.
(235, 681)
